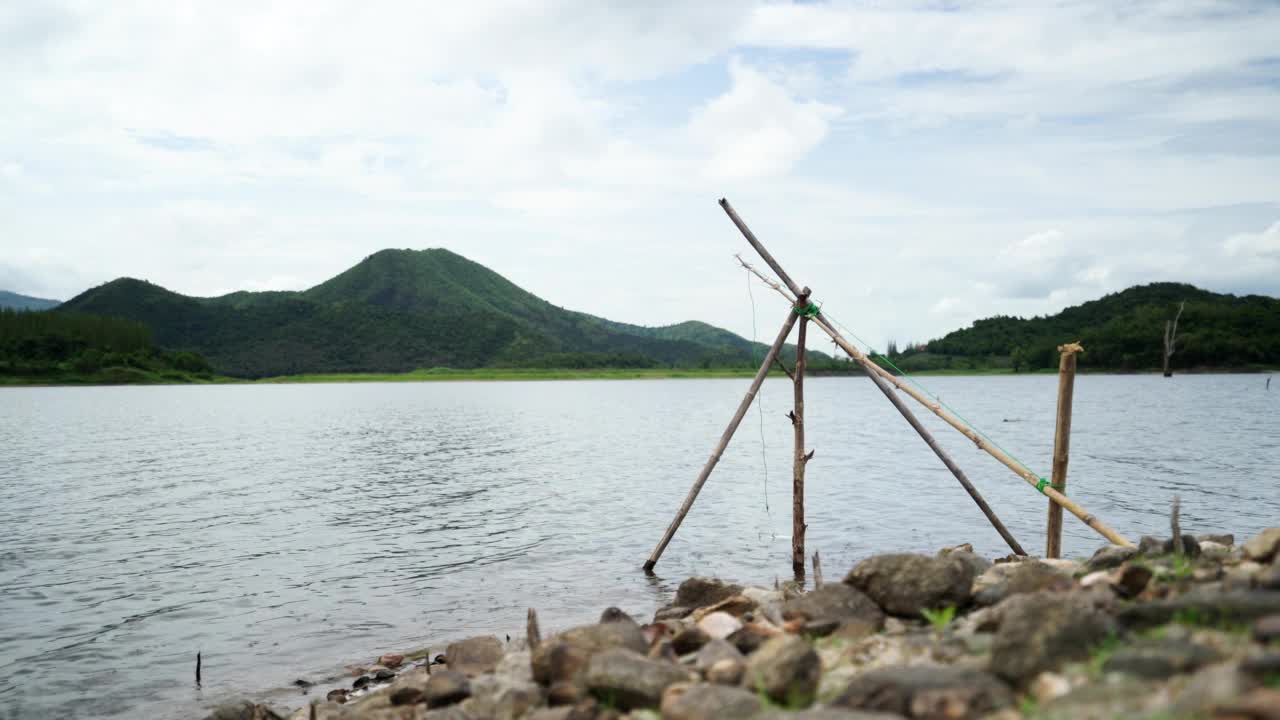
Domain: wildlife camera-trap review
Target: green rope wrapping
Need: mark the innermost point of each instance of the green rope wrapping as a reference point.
(1040, 485)
(809, 311)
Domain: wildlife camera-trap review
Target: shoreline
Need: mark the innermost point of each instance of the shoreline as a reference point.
(519, 375)
(1143, 632)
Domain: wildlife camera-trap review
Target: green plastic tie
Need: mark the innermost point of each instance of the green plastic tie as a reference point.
(1040, 485)
(809, 311)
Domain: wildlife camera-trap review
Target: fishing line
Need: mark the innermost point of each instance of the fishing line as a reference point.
(764, 456)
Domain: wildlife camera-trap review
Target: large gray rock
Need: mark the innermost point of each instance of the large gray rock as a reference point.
(564, 657)
(500, 698)
(1205, 606)
(904, 584)
(835, 601)
(243, 710)
(1006, 579)
(628, 680)
(1040, 631)
(787, 669)
(1110, 556)
(927, 692)
(1158, 659)
(475, 655)
(1263, 546)
(446, 687)
(700, 701)
(699, 592)
(715, 651)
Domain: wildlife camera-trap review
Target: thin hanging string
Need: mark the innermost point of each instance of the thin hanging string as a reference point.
(764, 457)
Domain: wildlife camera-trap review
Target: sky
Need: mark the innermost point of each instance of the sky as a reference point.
(919, 165)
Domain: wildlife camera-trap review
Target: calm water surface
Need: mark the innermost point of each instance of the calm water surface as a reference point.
(286, 530)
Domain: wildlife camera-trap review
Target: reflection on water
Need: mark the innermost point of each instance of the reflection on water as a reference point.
(285, 530)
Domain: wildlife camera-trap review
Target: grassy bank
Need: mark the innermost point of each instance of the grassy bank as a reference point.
(114, 376)
(444, 374)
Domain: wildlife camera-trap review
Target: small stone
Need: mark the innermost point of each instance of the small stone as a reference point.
(1217, 538)
(1048, 686)
(1262, 665)
(689, 640)
(1242, 576)
(1131, 579)
(903, 584)
(1258, 704)
(719, 625)
(726, 672)
(337, 695)
(243, 710)
(1066, 566)
(391, 660)
(1157, 659)
(1214, 551)
(701, 701)
(1002, 581)
(1149, 545)
(927, 692)
(564, 693)
(500, 698)
(835, 601)
(1268, 578)
(1266, 629)
(1209, 687)
(1110, 556)
(630, 680)
(672, 612)
(361, 682)
(474, 656)
(820, 628)
(749, 638)
(697, 592)
(303, 684)
(384, 675)
(715, 651)
(564, 657)
(735, 605)
(446, 687)
(785, 668)
(1262, 547)
(407, 696)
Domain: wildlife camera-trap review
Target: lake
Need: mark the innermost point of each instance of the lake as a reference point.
(284, 530)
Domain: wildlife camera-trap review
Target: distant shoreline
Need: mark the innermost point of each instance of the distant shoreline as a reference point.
(517, 375)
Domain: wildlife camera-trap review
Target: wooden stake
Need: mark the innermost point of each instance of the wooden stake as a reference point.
(743, 406)
(861, 358)
(817, 570)
(1061, 445)
(197, 668)
(532, 634)
(800, 459)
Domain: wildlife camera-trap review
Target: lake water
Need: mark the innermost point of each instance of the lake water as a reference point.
(286, 530)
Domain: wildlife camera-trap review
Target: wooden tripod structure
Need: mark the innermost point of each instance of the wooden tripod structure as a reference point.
(887, 383)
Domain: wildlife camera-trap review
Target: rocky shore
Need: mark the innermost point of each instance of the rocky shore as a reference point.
(1141, 632)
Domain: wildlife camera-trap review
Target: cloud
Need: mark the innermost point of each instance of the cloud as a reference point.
(1264, 245)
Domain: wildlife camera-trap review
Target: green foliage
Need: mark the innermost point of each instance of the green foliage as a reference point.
(1125, 331)
(941, 617)
(1211, 618)
(60, 346)
(1101, 653)
(1182, 567)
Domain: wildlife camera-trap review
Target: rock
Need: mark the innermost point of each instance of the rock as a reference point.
(726, 672)
(496, 698)
(1065, 566)
(738, 606)
(515, 666)
(1262, 547)
(689, 640)
(337, 695)
(556, 713)
(785, 668)
(1206, 606)
(446, 687)
(965, 553)
(564, 657)
(1209, 687)
(1259, 704)
(1130, 580)
(1110, 556)
(1217, 538)
(1262, 665)
(749, 638)
(1269, 577)
(825, 714)
(360, 682)
(1149, 545)
(1214, 551)
(384, 675)
(715, 651)
(407, 696)
(243, 710)
(1049, 686)
(628, 680)
(391, 660)
(1157, 659)
(1121, 696)
(700, 701)
(719, 625)
(672, 612)
(835, 601)
(904, 584)
(697, 592)
(1040, 631)
(927, 692)
(1002, 581)
(474, 656)
(1267, 628)
(565, 693)
(1190, 546)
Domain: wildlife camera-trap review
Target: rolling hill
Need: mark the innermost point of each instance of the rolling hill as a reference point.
(14, 301)
(1120, 331)
(400, 310)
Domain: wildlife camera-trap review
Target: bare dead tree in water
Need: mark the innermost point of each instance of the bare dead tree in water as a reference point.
(1171, 337)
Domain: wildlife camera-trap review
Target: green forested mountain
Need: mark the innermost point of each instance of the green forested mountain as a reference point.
(400, 310)
(1123, 331)
(14, 301)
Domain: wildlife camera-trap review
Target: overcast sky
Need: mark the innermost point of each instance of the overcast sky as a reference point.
(919, 165)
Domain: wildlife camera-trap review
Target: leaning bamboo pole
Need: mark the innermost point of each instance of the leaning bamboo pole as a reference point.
(761, 374)
(873, 369)
(1061, 445)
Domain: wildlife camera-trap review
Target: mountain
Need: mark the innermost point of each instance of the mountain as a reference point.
(399, 310)
(1123, 330)
(14, 301)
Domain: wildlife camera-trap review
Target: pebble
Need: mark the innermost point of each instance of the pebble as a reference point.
(1266, 629)
(719, 625)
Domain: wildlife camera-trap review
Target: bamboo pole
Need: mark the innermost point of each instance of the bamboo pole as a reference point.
(861, 358)
(1061, 445)
(743, 406)
(800, 459)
